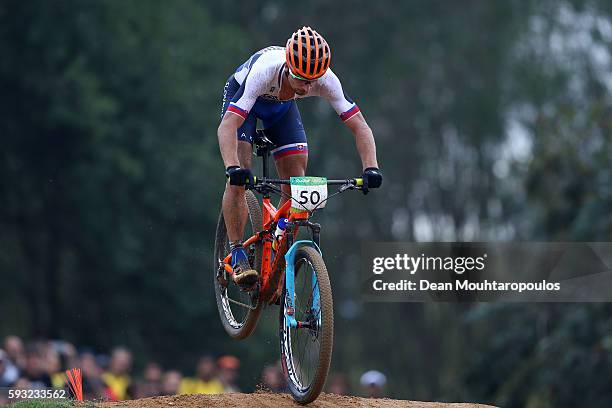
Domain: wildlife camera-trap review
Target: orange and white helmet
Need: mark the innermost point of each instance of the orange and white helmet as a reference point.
(308, 55)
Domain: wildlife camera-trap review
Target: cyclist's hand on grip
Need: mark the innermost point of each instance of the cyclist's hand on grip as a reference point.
(239, 177)
(372, 178)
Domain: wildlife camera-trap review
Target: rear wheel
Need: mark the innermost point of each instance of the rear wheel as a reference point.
(239, 310)
(306, 349)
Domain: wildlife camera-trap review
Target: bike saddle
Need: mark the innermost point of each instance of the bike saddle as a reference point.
(263, 145)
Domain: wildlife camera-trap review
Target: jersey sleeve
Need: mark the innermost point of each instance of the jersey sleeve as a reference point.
(331, 89)
(254, 85)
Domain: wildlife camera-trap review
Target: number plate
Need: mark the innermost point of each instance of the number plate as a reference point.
(308, 193)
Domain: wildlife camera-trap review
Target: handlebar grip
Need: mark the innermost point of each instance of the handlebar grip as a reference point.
(359, 182)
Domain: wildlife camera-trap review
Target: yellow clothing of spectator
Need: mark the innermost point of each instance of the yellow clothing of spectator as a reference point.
(117, 383)
(58, 380)
(198, 386)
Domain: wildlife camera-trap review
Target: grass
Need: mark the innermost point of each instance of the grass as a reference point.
(42, 404)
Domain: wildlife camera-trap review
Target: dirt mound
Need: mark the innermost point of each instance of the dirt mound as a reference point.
(269, 400)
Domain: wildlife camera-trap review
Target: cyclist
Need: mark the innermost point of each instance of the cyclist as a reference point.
(265, 87)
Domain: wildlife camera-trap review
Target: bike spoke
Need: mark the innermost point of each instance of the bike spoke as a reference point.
(242, 304)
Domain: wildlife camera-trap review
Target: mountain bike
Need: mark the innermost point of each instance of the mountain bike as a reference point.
(292, 274)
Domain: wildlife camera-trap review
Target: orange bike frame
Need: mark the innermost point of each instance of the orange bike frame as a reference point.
(270, 276)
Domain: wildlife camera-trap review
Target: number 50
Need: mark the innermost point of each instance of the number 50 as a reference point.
(315, 197)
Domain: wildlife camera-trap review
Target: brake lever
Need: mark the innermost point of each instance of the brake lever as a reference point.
(346, 187)
(349, 187)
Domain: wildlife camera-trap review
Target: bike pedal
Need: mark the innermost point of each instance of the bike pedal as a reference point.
(221, 278)
(222, 281)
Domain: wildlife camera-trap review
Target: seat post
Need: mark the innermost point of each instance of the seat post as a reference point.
(263, 147)
(265, 162)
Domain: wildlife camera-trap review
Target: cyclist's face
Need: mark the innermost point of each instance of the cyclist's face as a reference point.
(300, 86)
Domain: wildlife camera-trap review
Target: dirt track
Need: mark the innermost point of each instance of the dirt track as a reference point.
(269, 400)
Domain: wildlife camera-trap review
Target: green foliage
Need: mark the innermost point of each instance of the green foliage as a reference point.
(106, 142)
(555, 353)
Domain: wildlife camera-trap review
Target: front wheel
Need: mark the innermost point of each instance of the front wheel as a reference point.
(307, 326)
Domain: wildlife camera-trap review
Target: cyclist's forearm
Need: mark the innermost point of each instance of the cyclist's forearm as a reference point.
(228, 144)
(366, 147)
(364, 140)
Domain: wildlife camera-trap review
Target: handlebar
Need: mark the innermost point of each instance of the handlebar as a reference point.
(357, 182)
(268, 185)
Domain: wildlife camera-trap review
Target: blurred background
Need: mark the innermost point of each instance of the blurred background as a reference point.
(493, 123)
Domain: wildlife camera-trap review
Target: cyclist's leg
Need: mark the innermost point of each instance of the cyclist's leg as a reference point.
(291, 153)
(234, 206)
(235, 210)
(291, 166)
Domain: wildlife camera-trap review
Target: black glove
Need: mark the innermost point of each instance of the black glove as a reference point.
(372, 178)
(238, 176)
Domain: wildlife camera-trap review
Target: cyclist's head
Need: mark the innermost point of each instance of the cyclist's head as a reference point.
(308, 55)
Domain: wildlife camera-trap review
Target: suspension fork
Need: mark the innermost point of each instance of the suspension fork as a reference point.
(290, 320)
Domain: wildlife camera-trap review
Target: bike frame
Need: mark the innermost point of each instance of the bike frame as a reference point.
(270, 275)
(272, 270)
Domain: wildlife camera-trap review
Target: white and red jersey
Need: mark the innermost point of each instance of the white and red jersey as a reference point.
(261, 76)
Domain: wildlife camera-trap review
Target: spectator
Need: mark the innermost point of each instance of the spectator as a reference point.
(228, 372)
(54, 369)
(67, 353)
(151, 384)
(171, 382)
(37, 367)
(206, 381)
(108, 378)
(272, 378)
(373, 383)
(59, 357)
(93, 386)
(15, 351)
(117, 377)
(8, 372)
(338, 384)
